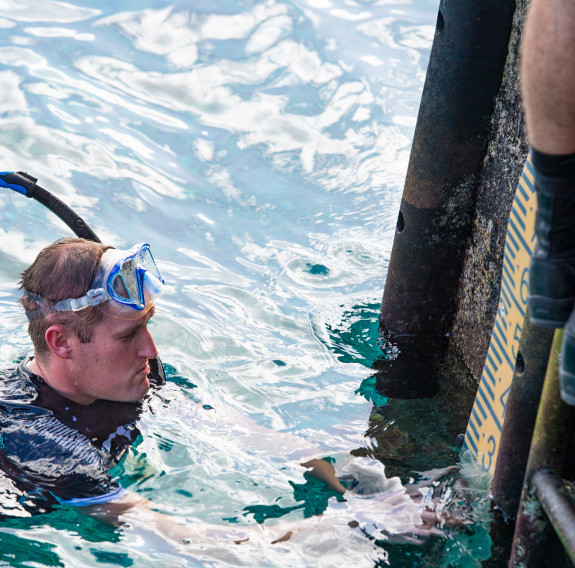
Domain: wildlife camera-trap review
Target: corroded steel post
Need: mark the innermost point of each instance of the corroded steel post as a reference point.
(535, 542)
(437, 209)
(520, 416)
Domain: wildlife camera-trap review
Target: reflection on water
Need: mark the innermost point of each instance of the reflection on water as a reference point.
(260, 148)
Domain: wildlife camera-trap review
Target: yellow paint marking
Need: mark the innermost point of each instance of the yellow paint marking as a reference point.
(484, 429)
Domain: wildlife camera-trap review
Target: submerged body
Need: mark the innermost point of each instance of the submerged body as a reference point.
(59, 450)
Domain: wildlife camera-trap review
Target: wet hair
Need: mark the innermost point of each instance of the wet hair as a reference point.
(64, 269)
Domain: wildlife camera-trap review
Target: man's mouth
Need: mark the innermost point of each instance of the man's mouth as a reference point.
(145, 370)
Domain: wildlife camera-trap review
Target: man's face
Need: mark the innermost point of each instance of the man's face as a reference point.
(114, 365)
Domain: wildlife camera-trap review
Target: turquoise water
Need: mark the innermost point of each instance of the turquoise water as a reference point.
(260, 148)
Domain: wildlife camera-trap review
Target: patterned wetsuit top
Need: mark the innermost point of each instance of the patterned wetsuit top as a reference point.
(54, 449)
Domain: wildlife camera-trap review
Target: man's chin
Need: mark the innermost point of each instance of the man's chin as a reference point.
(143, 391)
(136, 393)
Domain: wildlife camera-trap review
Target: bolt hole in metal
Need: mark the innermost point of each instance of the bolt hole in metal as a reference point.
(440, 22)
(519, 364)
(400, 222)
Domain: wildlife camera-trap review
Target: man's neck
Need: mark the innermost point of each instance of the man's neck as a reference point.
(35, 367)
(40, 368)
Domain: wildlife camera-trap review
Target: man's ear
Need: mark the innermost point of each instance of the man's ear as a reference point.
(58, 340)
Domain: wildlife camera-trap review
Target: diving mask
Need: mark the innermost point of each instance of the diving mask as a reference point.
(130, 278)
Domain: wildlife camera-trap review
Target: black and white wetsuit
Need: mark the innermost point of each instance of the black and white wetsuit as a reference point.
(55, 450)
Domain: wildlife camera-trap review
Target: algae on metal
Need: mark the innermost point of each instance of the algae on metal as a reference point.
(479, 286)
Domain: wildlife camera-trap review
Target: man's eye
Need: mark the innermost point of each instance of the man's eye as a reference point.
(129, 336)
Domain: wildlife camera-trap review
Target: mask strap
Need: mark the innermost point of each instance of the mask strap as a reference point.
(90, 298)
(45, 306)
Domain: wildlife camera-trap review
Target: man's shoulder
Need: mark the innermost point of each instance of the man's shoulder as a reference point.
(17, 382)
(23, 413)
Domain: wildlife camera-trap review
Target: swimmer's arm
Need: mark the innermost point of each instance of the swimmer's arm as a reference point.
(135, 513)
(130, 509)
(111, 512)
(115, 507)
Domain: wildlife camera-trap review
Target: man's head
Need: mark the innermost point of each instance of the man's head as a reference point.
(65, 269)
(89, 306)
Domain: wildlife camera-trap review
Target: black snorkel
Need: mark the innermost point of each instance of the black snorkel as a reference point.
(25, 184)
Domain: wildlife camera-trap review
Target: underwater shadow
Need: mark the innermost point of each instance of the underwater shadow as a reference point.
(424, 387)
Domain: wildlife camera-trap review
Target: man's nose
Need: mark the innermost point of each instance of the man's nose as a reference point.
(148, 347)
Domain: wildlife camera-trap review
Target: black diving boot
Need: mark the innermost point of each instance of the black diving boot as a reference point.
(552, 268)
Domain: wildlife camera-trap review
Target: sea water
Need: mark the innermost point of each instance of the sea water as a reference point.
(260, 147)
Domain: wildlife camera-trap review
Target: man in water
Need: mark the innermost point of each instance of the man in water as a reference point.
(69, 412)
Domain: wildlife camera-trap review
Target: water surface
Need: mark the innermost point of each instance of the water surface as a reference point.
(260, 148)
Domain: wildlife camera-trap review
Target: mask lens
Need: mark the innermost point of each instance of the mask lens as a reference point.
(148, 264)
(130, 277)
(120, 288)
